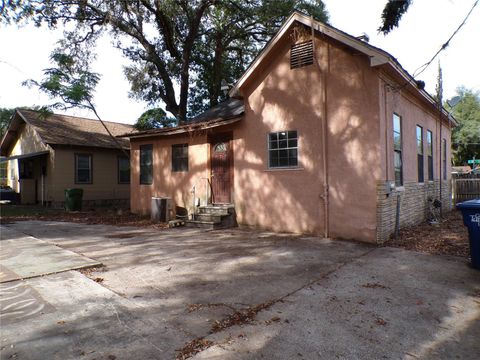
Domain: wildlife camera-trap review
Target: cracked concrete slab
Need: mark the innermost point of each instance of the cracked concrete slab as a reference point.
(332, 299)
(84, 320)
(387, 304)
(24, 256)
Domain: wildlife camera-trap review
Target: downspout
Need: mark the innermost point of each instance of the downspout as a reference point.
(440, 168)
(385, 88)
(440, 158)
(325, 148)
(323, 122)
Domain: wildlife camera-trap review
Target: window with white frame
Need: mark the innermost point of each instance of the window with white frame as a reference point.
(283, 149)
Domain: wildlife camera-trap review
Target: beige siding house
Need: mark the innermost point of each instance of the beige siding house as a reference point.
(322, 134)
(46, 154)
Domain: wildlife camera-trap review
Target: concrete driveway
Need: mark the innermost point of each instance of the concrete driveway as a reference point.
(239, 294)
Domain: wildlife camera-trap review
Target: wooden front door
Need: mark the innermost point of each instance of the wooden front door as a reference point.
(221, 168)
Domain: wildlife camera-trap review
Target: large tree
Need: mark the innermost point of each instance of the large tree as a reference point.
(392, 14)
(173, 45)
(466, 136)
(5, 115)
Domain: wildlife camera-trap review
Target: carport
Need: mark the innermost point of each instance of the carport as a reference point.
(32, 175)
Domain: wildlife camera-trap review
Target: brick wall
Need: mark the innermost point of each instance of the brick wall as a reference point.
(414, 206)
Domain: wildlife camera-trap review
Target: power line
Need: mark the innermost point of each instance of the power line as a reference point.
(445, 45)
(11, 65)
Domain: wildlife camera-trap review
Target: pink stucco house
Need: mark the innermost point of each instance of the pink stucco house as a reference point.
(322, 134)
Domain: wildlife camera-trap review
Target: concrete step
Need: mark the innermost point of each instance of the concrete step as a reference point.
(208, 225)
(214, 217)
(217, 209)
(217, 218)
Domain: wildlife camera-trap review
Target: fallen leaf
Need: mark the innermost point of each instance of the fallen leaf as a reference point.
(375, 286)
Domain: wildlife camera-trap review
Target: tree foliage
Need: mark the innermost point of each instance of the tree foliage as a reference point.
(154, 119)
(70, 83)
(179, 50)
(466, 136)
(5, 115)
(392, 13)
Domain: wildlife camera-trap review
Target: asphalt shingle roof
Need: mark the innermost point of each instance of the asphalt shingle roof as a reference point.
(227, 109)
(57, 129)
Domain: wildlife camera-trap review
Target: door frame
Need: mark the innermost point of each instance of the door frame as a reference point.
(212, 139)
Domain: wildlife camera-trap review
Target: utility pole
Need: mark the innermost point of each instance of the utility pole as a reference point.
(440, 108)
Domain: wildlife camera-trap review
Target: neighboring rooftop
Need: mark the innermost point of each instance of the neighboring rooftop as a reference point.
(227, 112)
(227, 109)
(55, 129)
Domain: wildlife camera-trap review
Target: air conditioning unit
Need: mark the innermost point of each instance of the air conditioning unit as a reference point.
(161, 209)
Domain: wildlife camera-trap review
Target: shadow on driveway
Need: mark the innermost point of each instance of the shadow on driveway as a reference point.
(329, 299)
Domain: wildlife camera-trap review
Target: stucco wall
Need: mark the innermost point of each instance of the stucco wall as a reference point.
(105, 184)
(279, 98)
(176, 185)
(340, 87)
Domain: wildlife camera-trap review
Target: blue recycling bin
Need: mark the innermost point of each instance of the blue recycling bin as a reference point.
(471, 219)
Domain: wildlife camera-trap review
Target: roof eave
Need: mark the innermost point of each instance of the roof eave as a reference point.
(184, 128)
(377, 57)
(4, 148)
(409, 80)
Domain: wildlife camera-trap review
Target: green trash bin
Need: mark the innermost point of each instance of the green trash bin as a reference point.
(73, 199)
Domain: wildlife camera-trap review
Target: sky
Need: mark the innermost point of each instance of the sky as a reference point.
(423, 29)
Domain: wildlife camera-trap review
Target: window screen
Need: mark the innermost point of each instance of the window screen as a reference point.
(123, 170)
(180, 157)
(83, 168)
(430, 154)
(420, 154)
(146, 164)
(397, 149)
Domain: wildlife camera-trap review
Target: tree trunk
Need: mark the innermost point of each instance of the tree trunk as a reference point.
(217, 71)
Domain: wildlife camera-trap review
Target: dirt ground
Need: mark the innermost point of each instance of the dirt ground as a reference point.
(450, 237)
(13, 213)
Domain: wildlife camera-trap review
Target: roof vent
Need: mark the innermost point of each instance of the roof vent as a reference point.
(364, 37)
(301, 54)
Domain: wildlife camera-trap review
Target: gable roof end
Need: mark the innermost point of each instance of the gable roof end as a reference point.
(377, 56)
(55, 129)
